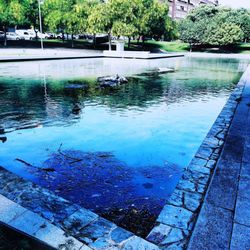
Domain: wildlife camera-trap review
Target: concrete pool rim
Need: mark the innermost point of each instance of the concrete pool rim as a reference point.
(176, 221)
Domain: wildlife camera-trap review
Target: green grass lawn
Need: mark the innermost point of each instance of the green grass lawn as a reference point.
(150, 45)
(244, 48)
(178, 46)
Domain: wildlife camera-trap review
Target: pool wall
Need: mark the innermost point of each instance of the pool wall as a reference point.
(174, 224)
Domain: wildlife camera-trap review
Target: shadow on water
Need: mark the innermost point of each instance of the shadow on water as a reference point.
(131, 197)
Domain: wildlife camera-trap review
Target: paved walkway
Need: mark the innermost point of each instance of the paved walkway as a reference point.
(15, 55)
(224, 220)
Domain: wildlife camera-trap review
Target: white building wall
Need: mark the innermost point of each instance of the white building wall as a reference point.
(183, 7)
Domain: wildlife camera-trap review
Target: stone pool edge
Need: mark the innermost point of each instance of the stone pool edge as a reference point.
(176, 221)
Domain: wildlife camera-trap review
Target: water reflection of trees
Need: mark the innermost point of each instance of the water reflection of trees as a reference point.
(27, 101)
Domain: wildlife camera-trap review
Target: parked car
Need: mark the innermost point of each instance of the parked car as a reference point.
(40, 35)
(13, 36)
(1, 36)
(50, 35)
(27, 35)
(81, 36)
(66, 36)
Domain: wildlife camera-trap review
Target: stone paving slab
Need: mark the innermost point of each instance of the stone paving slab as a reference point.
(223, 222)
(242, 212)
(223, 191)
(33, 225)
(233, 150)
(9, 210)
(181, 219)
(245, 170)
(211, 221)
(240, 238)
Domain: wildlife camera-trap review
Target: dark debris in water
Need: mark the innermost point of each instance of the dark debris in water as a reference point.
(129, 196)
(3, 139)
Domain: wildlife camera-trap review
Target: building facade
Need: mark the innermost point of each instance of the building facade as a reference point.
(178, 9)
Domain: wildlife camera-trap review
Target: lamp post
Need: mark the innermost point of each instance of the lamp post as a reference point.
(40, 21)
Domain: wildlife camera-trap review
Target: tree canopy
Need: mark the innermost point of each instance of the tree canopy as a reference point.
(205, 25)
(217, 26)
(12, 12)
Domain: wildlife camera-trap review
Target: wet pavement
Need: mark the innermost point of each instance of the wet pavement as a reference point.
(223, 222)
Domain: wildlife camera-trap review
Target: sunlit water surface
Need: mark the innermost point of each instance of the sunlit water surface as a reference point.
(123, 153)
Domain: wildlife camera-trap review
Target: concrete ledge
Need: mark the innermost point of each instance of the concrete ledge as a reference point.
(126, 54)
(138, 54)
(105, 54)
(46, 58)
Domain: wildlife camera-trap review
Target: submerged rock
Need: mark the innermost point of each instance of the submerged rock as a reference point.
(76, 86)
(165, 70)
(157, 71)
(76, 109)
(112, 81)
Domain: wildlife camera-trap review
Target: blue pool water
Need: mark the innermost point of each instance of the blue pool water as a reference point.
(123, 154)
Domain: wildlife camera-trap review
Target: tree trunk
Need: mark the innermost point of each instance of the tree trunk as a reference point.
(109, 35)
(129, 41)
(94, 40)
(143, 41)
(190, 47)
(5, 36)
(72, 41)
(138, 39)
(63, 36)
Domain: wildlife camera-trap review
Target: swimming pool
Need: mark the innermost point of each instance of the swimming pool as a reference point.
(124, 152)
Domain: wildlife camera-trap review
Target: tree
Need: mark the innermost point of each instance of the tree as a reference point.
(82, 10)
(154, 19)
(99, 22)
(11, 14)
(58, 15)
(31, 13)
(225, 34)
(188, 32)
(210, 25)
(130, 18)
(239, 17)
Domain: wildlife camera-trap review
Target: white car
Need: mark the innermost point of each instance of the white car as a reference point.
(43, 35)
(38, 34)
(27, 35)
(13, 36)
